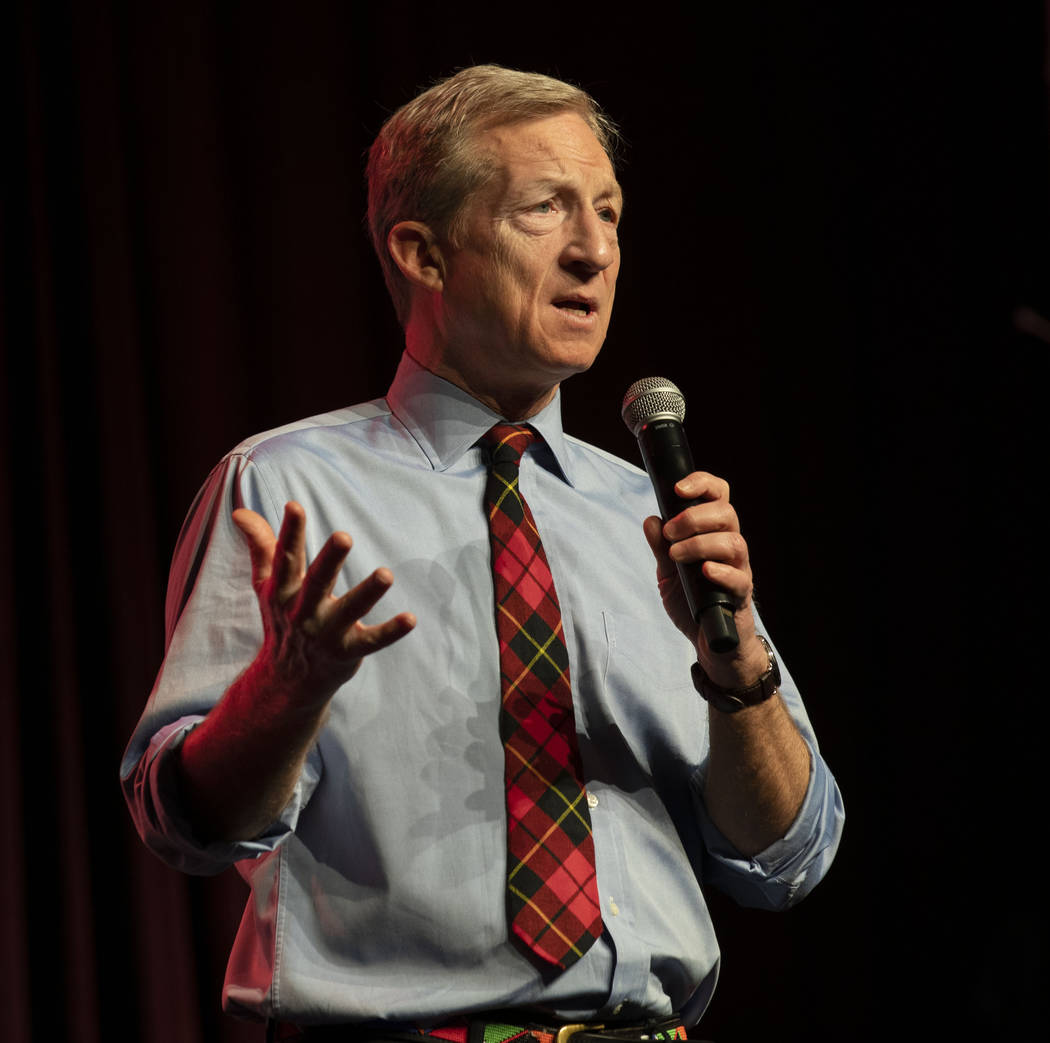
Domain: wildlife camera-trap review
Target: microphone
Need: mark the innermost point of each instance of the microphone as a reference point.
(653, 410)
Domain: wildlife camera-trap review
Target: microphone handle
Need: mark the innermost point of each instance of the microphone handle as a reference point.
(665, 451)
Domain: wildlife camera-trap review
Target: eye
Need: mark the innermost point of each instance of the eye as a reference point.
(546, 207)
(607, 214)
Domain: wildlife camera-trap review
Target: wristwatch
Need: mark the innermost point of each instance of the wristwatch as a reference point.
(730, 700)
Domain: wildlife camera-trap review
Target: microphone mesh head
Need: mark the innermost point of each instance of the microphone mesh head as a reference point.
(649, 399)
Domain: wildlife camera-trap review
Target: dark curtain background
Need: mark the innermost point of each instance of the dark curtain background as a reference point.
(835, 242)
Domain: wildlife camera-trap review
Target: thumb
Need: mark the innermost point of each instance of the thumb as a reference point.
(261, 542)
(653, 528)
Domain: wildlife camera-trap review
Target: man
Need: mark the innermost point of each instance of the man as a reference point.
(348, 750)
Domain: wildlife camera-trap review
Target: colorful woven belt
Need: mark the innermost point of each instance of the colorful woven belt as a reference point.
(467, 1031)
(463, 1030)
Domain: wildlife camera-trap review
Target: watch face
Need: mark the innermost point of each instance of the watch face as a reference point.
(774, 667)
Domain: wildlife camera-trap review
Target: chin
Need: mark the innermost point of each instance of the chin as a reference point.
(576, 360)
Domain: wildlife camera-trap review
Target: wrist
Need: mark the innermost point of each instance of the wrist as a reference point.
(265, 707)
(749, 687)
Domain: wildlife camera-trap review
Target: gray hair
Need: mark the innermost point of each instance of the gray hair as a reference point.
(422, 166)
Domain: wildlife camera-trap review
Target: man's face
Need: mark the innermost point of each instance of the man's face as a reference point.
(528, 294)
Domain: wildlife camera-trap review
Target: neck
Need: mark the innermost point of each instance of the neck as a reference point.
(511, 403)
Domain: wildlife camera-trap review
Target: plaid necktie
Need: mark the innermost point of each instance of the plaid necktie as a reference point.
(552, 893)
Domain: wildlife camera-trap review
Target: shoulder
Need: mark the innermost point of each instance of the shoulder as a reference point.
(347, 424)
(319, 453)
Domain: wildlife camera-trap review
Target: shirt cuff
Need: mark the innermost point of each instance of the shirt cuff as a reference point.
(152, 793)
(787, 870)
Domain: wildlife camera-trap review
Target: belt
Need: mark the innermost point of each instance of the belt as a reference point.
(477, 1030)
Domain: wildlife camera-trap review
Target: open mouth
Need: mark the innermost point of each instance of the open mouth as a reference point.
(576, 306)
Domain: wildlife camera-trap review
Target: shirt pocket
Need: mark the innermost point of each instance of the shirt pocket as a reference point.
(648, 689)
(648, 656)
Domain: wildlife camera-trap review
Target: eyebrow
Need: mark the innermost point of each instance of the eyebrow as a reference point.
(614, 195)
(556, 186)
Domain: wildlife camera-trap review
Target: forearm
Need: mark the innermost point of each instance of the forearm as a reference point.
(757, 774)
(239, 768)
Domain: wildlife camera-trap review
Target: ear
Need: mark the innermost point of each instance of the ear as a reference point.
(416, 252)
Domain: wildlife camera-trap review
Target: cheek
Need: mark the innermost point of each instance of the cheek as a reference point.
(523, 295)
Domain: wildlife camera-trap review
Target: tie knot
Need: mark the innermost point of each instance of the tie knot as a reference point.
(507, 442)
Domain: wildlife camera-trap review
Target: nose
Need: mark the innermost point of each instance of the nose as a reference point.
(592, 244)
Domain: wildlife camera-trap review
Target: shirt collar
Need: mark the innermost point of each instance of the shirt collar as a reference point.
(446, 421)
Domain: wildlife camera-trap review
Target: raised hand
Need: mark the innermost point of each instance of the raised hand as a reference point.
(313, 642)
(240, 767)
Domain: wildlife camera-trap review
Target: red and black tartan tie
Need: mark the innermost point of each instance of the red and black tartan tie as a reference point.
(552, 893)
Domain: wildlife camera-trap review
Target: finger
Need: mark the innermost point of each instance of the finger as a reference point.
(359, 601)
(321, 575)
(712, 516)
(737, 582)
(702, 485)
(729, 548)
(653, 528)
(723, 558)
(289, 559)
(260, 538)
(364, 640)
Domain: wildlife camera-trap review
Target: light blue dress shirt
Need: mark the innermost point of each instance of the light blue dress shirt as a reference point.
(379, 893)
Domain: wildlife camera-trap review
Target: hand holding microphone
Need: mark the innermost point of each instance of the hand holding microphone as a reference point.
(653, 410)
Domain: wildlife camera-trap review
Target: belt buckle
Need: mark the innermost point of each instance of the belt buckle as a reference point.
(566, 1032)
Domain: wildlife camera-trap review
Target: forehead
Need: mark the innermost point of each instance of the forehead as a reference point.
(560, 149)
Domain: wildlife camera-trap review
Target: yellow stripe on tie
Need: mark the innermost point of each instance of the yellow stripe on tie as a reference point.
(570, 805)
(545, 918)
(541, 650)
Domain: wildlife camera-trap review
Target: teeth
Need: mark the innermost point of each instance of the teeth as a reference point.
(579, 306)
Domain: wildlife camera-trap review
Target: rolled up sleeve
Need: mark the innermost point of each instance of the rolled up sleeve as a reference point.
(787, 870)
(152, 791)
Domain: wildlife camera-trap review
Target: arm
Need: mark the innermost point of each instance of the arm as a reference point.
(238, 769)
(758, 769)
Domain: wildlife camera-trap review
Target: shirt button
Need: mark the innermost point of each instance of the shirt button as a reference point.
(592, 800)
(614, 908)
